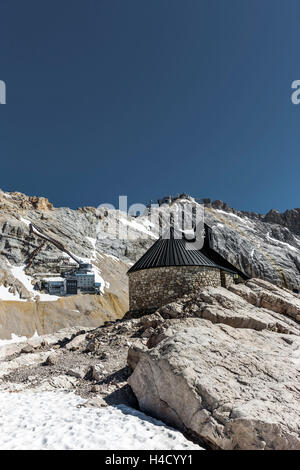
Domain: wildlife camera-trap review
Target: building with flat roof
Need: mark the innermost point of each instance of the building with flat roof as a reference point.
(78, 281)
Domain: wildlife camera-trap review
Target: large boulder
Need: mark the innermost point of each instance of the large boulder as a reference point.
(264, 294)
(241, 307)
(232, 388)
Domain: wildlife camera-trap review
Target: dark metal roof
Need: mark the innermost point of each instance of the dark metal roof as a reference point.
(173, 252)
(217, 257)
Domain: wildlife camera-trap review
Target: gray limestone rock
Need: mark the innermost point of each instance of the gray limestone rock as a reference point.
(233, 388)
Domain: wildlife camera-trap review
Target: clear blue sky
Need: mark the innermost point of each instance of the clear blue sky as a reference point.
(149, 98)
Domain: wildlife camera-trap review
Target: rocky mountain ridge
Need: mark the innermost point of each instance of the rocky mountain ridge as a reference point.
(289, 218)
(266, 247)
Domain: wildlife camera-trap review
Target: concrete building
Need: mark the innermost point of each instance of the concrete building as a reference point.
(77, 281)
(55, 285)
(167, 271)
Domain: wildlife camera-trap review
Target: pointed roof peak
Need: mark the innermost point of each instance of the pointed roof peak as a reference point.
(171, 250)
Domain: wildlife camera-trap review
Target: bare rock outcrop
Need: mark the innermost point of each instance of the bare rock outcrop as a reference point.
(264, 294)
(241, 307)
(233, 388)
(25, 318)
(290, 219)
(224, 366)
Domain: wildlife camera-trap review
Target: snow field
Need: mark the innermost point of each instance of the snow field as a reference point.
(53, 420)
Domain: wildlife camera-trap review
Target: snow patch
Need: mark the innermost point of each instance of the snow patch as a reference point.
(244, 221)
(290, 247)
(111, 256)
(16, 339)
(25, 221)
(18, 273)
(6, 295)
(138, 226)
(99, 278)
(93, 242)
(53, 420)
